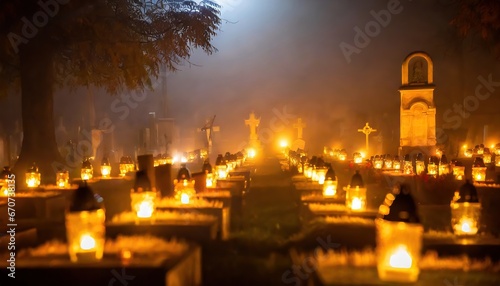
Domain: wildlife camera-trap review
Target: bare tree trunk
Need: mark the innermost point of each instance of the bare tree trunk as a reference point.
(39, 141)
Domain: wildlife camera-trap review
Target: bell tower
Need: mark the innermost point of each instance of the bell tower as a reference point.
(417, 111)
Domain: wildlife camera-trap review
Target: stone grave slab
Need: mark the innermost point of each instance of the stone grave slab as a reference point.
(200, 206)
(192, 227)
(152, 262)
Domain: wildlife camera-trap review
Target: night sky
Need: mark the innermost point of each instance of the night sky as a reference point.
(284, 56)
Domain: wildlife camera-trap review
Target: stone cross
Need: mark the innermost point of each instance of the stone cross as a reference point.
(300, 127)
(253, 123)
(367, 130)
(208, 132)
(209, 128)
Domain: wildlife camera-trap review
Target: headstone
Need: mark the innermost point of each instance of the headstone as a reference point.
(299, 143)
(146, 163)
(253, 123)
(163, 176)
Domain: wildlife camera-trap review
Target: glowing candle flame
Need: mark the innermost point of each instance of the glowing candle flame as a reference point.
(87, 242)
(400, 259)
(184, 198)
(209, 182)
(466, 226)
(329, 191)
(32, 182)
(105, 171)
(145, 209)
(356, 204)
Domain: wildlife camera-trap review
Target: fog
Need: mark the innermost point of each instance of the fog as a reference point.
(282, 59)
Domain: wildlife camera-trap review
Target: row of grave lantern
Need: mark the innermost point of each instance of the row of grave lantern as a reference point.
(481, 150)
(297, 159)
(126, 165)
(398, 229)
(224, 165)
(335, 154)
(435, 166)
(85, 217)
(33, 176)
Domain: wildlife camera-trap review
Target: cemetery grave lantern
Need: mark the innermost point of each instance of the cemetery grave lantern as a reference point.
(62, 179)
(396, 163)
(342, 155)
(184, 186)
(33, 177)
(320, 171)
(478, 170)
(229, 163)
(302, 164)
(314, 173)
(398, 238)
(407, 165)
(143, 197)
(311, 164)
(439, 152)
(358, 159)
(105, 168)
(487, 156)
(331, 182)
(308, 170)
(356, 193)
(444, 166)
(85, 226)
(321, 174)
(126, 165)
(420, 164)
(468, 153)
(378, 162)
(497, 149)
(458, 170)
(87, 170)
(388, 162)
(479, 149)
(5, 177)
(433, 166)
(221, 168)
(209, 175)
(497, 160)
(465, 210)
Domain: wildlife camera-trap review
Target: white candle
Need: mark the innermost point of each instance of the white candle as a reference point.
(356, 204)
(87, 242)
(184, 198)
(145, 209)
(400, 258)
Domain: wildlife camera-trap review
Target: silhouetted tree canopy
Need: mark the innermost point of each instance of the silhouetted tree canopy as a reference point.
(113, 44)
(108, 43)
(479, 18)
